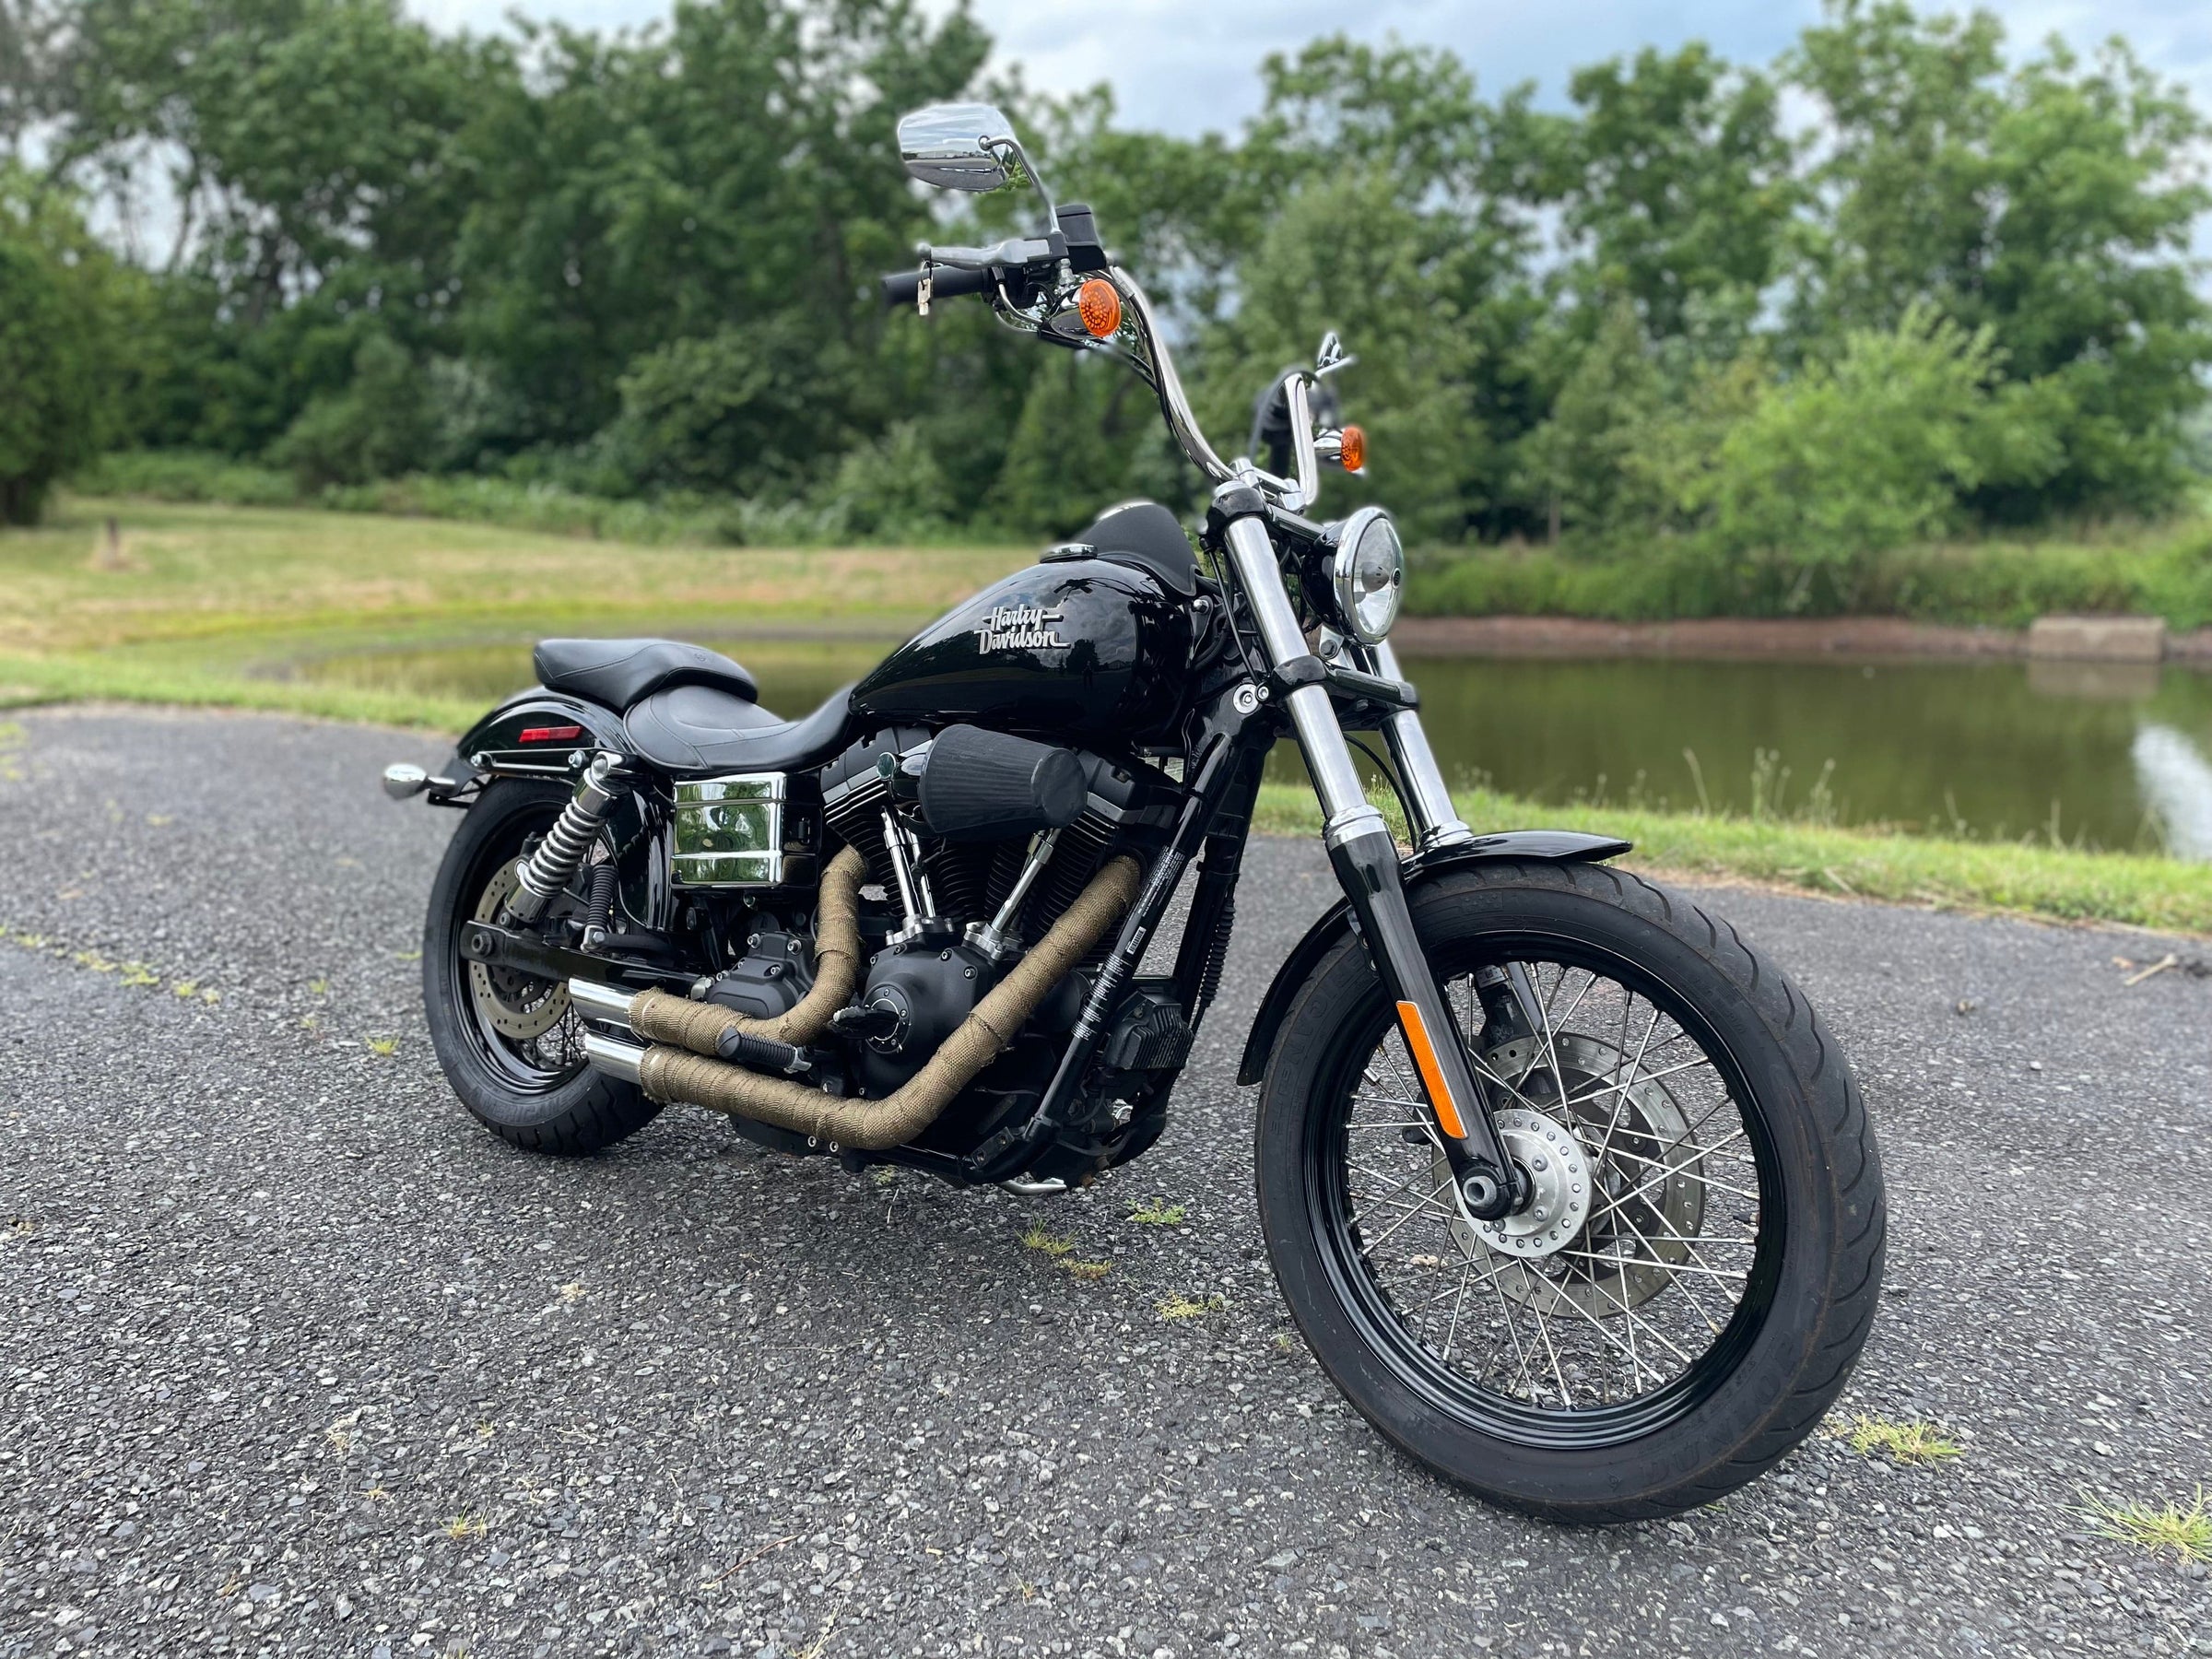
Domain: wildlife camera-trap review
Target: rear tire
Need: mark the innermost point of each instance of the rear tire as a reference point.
(532, 1093)
(1806, 1207)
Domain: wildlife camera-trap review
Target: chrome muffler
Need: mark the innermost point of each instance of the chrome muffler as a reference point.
(612, 1055)
(604, 1003)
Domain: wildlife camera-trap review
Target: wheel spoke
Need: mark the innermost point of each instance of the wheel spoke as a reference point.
(1633, 1298)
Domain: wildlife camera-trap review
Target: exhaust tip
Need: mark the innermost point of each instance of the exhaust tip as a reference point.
(615, 1058)
(602, 1003)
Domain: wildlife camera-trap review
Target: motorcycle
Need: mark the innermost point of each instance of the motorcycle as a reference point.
(1568, 1188)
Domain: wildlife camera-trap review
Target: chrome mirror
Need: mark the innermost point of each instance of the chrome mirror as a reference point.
(956, 146)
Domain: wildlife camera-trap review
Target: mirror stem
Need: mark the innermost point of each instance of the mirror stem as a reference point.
(1007, 140)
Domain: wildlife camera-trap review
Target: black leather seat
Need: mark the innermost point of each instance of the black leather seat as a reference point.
(619, 673)
(703, 728)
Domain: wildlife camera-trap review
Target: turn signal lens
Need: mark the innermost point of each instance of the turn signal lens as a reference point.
(1354, 454)
(1099, 307)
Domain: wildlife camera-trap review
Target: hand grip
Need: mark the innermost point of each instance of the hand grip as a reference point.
(902, 287)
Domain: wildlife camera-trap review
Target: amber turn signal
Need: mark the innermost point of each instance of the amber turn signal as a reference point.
(1099, 307)
(1353, 455)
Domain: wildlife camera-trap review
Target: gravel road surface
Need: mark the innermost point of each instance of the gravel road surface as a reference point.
(297, 1359)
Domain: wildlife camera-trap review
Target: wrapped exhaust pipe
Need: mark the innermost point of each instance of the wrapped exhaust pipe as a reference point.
(704, 1027)
(670, 1074)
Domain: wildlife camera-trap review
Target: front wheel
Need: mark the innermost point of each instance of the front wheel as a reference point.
(1684, 1293)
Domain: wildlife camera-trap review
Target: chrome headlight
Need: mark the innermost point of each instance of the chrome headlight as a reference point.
(1368, 573)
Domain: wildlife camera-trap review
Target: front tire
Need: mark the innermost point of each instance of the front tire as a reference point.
(509, 1045)
(1710, 1250)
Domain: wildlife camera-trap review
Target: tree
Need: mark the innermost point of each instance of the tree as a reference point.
(379, 426)
(64, 306)
(1582, 462)
(1679, 180)
(2052, 203)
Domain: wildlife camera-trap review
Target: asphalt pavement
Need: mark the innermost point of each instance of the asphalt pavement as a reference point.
(298, 1360)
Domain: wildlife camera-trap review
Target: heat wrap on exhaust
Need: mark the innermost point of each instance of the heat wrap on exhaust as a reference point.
(671, 1075)
(659, 1017)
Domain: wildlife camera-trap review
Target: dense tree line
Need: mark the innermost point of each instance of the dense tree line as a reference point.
(1897, 284)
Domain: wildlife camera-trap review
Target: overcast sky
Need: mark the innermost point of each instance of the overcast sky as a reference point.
(1186, 65)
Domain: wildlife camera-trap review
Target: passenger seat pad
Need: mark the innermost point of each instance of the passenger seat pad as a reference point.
(621, 673)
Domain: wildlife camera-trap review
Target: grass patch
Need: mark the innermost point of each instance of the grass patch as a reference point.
(382, 1047)
(1159, 1213)
(236, 606)
(1085, 1270)
(1911, 1442)
(1038, 1239)
(1178, 1306)
(2140, 890)
(2184, 1533)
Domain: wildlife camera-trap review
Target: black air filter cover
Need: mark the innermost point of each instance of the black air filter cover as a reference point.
(984, 785)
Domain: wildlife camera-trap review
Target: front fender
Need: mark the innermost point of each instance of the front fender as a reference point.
(1558, 846)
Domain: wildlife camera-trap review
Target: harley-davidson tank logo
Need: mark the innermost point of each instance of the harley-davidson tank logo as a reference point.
(1020, 627)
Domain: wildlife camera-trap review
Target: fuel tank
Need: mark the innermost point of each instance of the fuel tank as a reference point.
(1080, 648)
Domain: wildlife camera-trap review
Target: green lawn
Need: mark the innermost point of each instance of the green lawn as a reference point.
(216, 604)
(221, 605)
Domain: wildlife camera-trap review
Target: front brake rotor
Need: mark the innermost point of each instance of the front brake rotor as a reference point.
(1647, 1196)
(517, 1006)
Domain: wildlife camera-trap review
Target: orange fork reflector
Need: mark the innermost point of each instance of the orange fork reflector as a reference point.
(1432, 1075)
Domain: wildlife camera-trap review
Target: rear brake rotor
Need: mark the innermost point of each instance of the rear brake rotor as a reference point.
(517, 1005)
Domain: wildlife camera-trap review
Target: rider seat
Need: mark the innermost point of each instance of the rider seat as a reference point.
(704, 728)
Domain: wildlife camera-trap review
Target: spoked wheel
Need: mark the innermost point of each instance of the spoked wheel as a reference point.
(524, 1024)
(1696, 1268)
(509, 1042)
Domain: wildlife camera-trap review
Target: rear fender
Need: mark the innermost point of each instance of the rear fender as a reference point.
(541, 734)
(534, 734)
(1560, 846)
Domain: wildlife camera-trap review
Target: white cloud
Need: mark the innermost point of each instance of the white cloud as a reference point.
(1186, 66)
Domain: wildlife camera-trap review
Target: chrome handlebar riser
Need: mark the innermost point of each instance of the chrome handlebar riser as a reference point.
(1174, 403)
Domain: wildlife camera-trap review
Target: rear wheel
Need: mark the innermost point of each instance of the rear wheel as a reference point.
(1685, 1294)
(510, 1043)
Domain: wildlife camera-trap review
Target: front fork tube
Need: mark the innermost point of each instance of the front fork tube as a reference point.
(1367, 864)
(1431, 816)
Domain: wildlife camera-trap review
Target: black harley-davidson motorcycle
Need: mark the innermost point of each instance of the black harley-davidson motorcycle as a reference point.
(1569, 1190)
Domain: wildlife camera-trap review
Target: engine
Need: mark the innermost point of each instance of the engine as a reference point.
(975, 841)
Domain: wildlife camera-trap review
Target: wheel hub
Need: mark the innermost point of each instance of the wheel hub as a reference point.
(517, 1006)
(1559, 1179)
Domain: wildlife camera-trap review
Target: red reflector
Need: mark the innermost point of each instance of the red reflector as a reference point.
(551, 734)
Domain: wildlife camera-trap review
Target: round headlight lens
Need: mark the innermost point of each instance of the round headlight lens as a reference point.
(1368, 575)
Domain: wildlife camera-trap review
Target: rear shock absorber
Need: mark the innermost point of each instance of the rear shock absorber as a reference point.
(554, 864)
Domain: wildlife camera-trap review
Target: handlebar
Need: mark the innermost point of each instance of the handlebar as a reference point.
(904, 287)
(1153, 360)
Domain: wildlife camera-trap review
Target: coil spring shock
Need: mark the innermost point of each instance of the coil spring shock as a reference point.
(551, 867)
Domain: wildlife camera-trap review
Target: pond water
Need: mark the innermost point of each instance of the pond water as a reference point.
(2104, 755)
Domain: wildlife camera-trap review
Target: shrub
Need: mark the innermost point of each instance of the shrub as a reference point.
(379, 426)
